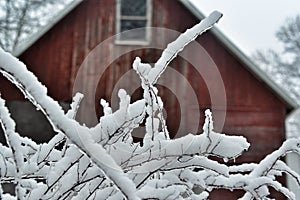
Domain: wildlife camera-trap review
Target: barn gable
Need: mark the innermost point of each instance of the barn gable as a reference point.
(246, 61)
(250, 65)
(256, 107)
(56, 53)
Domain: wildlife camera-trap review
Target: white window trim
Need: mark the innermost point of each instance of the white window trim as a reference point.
(148, 17)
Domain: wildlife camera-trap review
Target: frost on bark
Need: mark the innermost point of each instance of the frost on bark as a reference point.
(104, 162)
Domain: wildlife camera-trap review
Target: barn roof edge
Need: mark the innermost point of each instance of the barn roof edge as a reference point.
(258, 72)
(43, 30)
(283, 94)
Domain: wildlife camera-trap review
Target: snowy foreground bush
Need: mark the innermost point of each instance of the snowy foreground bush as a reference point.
(104, 162)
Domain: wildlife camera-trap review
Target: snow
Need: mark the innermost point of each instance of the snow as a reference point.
(105, 162)
(70, 127)
(75, 105)
(178, 45)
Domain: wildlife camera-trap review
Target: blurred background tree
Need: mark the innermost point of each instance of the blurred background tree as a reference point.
(284, 65)
(20, 18)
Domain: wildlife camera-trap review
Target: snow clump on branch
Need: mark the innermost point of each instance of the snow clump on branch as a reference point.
(104, 162)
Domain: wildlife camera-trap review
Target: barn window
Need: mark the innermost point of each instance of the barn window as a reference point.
(132, 19)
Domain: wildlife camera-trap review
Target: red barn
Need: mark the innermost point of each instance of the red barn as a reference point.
(254, 105)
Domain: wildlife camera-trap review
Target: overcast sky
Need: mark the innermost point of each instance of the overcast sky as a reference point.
(251, 24)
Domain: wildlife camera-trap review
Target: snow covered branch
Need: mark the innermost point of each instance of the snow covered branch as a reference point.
(106, 162)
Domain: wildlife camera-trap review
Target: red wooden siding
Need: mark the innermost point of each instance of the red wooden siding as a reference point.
(252, 109)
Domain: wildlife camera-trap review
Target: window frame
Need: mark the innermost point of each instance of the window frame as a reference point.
(147, 17)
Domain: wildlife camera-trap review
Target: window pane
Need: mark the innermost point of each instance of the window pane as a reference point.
(138, 32)
(133, 7)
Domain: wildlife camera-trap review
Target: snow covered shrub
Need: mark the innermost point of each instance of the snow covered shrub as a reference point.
(104, 162)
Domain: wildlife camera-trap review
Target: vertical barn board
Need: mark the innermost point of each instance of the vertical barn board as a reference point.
(56, 57)
(252, 109)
